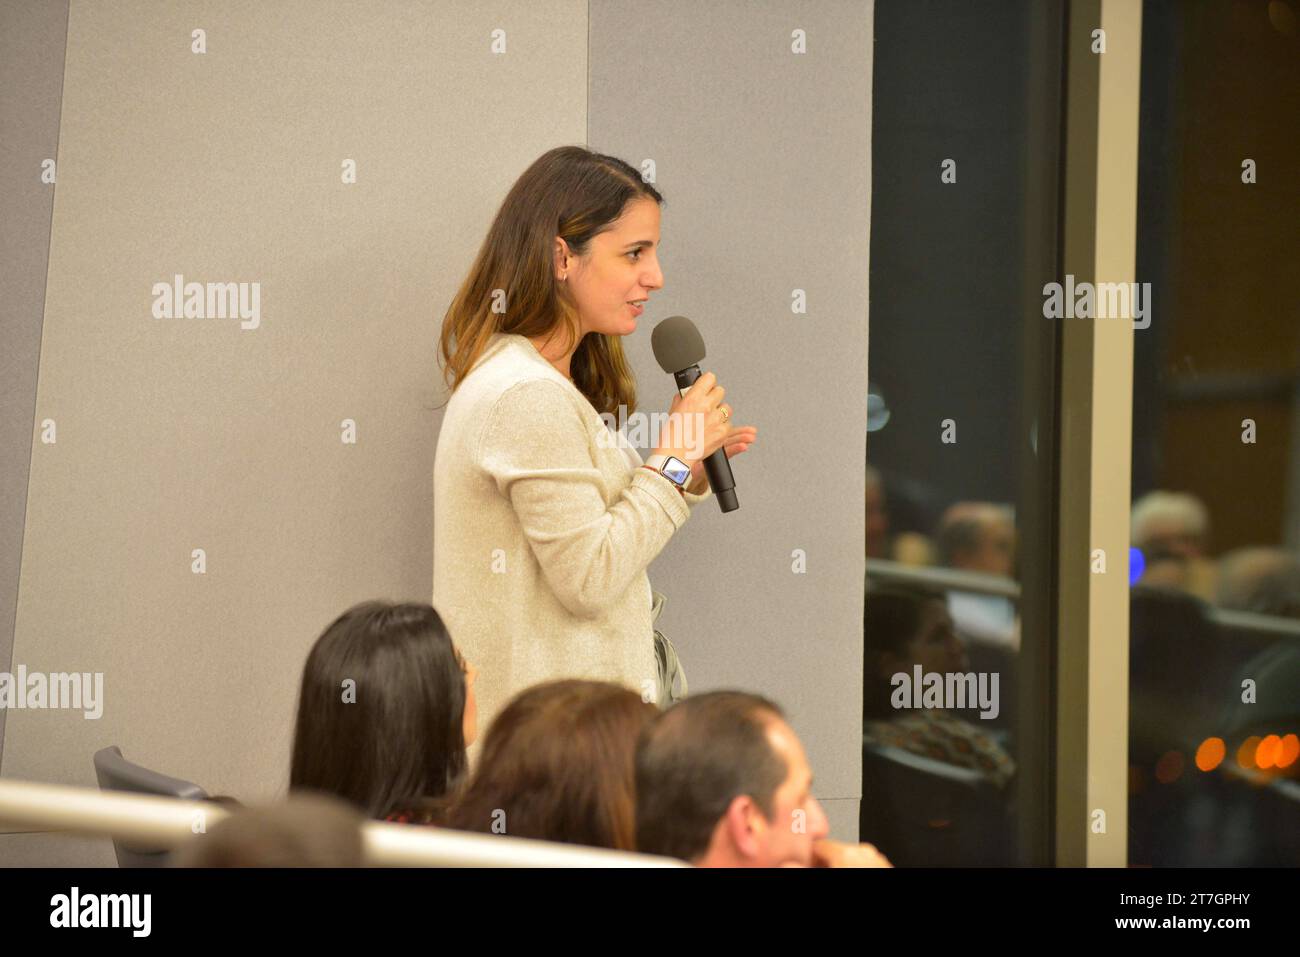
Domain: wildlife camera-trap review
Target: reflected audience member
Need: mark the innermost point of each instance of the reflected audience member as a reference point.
(1171, 529)
(913, 549)
(914, 508)
(722, 781)
(980, 537)
(904, 627)
(385, 712)
(308, 830)
(557, 766)
(877, 521)
(1262, 580)
(904, 547)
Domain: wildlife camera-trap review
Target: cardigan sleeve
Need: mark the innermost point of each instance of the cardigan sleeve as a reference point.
(535, 446)
(693, 499)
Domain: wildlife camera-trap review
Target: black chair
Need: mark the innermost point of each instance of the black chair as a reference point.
(116, 773)
(1185, 681)
(925, 813)
(990, 659)
(1181, 668)
(1276, 674)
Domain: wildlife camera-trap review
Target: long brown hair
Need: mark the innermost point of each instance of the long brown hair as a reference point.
(573, 193)
(557, 765)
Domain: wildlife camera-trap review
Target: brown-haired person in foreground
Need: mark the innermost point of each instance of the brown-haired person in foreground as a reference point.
(722, 781)
(385, 712)
(308, 830)
(557, 766)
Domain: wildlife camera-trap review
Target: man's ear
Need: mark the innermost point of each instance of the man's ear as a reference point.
(746, 828)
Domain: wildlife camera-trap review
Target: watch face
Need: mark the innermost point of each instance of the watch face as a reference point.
(678, 471)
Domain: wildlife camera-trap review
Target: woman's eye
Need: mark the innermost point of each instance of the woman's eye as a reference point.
(634, 253)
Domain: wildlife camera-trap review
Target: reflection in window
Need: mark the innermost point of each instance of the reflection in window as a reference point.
(1214, 714)
(951, 259)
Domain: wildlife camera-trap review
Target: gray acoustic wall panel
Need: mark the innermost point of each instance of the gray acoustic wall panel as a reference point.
(225, 434)
(32, 40)
(756, 118)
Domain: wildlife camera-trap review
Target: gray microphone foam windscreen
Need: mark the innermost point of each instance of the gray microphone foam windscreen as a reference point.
(677, 344)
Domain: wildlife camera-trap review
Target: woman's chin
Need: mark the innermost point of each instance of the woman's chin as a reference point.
(625, 325)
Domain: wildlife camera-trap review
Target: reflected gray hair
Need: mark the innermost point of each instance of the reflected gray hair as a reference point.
(1184, 508)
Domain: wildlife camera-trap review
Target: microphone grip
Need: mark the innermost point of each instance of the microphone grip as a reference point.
(717, 468)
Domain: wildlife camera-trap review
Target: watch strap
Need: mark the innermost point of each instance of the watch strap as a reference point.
(659, 463)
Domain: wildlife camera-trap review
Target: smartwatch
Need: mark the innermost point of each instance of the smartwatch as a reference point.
(671, 468)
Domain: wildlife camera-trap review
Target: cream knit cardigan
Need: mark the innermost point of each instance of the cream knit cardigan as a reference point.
(542, 531)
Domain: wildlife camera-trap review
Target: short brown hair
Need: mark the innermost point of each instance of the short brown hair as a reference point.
(694, 760)
(557, 766)
(308, 830)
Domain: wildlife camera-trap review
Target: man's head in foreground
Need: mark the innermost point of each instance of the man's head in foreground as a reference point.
(722, 781)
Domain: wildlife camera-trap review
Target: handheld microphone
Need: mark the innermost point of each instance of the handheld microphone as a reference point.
(678, 348)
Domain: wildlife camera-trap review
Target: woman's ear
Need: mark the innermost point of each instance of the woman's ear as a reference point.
(561, 258)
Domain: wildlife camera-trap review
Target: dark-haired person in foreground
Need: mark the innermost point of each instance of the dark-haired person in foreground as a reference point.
(557, 766)
(722, 781)
(385, 713)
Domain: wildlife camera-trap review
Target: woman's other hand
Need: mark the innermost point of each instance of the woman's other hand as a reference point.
(738, 440)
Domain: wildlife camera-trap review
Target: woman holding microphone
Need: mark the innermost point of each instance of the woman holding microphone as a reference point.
(543, 525)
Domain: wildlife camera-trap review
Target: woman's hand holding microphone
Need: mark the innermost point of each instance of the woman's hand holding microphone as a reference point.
(699, 423)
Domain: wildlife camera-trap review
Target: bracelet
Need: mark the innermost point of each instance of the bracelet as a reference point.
(674, 484)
